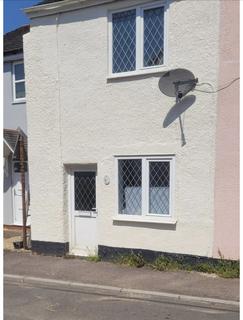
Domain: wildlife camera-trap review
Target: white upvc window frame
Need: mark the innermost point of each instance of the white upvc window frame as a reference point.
(140, 69)
(145, 215)
(14, 81)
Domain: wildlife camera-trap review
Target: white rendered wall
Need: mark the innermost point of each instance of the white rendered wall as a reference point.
(77, 116)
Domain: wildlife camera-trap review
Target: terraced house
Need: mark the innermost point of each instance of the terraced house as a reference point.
(133, 111)
(15, 126)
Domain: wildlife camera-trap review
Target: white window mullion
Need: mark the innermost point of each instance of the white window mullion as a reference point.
(144, 187)
(13, 84)
(117, 185)
(18, 81)
(172, 186)
(147, 186)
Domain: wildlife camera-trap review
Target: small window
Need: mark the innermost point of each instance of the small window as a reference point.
(85, 191)
(144, 186)
(138, 38)
(18, 81)
(124, 41)
(159, 187)
(153, 48)
(130, 186)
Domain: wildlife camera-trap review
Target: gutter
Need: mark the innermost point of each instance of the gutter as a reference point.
(63, 6)
(13, 55)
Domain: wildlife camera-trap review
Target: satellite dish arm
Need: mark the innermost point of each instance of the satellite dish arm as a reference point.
(177, 84)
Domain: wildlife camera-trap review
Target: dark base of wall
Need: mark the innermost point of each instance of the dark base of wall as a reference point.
(50, 248)
(110, 253)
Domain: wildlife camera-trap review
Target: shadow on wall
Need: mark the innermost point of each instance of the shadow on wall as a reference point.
(145, 225)
(178, 109)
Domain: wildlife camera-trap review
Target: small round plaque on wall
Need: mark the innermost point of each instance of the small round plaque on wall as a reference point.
(106, 180)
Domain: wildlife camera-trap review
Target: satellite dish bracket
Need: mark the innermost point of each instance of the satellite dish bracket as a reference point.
(177, 84)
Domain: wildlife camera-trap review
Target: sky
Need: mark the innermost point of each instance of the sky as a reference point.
(14, 17)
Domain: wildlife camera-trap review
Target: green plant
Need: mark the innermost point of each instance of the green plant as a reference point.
(223, 268)
(133, 260)
(204, 267)
(228, 269)
(165, 264)
(94, 258)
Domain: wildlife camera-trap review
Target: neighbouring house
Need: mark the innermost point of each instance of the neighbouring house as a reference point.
(15, 125)
(109, 172)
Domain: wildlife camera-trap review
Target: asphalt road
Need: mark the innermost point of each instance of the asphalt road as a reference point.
(33, 303)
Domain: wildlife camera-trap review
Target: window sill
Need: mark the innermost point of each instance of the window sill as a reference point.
(19, 101)
(142, 219)
(142, 72)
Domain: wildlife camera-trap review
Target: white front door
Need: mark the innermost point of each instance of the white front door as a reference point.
(83, 213)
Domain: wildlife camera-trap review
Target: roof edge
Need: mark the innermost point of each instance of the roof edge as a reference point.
(12, 52)
(8, 145)
(62, 6)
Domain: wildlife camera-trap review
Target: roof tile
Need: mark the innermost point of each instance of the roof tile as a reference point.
(13, 40)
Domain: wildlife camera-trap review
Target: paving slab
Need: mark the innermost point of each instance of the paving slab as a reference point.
(106, 273)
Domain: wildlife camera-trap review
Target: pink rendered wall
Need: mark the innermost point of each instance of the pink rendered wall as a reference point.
(226, 230)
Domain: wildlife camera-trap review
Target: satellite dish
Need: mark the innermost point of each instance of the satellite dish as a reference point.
(177, 83)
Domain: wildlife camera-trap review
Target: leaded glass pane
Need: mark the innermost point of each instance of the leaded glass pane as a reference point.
(159, 187)
(84, 188)
(153, 37)
(19, 71)
(124, 41)
(130, 186)
(19, 90)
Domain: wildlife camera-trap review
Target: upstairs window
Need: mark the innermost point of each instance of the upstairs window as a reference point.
(137, 38)
(124, 41)
(153, 37)
(18, 82)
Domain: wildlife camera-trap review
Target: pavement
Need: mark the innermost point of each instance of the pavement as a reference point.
(36, 303)
(79, 275)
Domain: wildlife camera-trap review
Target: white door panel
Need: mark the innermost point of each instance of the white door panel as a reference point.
(17, 196)
(83, 213)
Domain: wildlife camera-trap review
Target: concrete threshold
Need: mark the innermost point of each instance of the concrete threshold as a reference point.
(125, 293)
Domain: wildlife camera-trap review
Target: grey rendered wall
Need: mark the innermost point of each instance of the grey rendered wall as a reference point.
(14, 114)
(7, 194)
